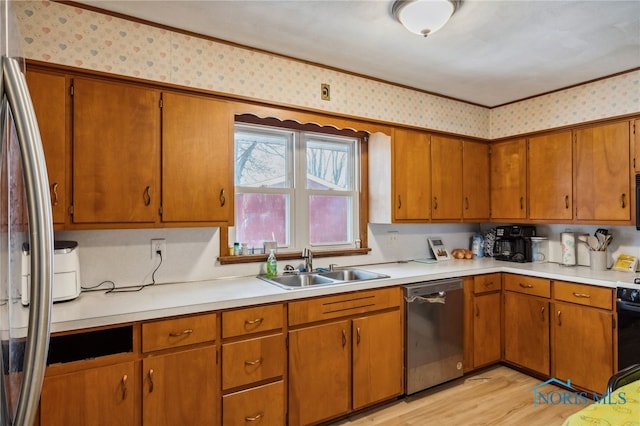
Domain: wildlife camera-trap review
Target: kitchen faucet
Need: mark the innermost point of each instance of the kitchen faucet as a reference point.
(307, 255)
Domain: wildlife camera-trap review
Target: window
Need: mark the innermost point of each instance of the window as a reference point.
(299, 187)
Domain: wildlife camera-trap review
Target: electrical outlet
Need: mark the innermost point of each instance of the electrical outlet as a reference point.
(158, 245)
(392, 238)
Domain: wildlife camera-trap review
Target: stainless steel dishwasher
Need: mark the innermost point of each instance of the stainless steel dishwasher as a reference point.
(434, 315)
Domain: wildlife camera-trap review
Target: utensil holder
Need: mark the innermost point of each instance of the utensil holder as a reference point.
(598, 260)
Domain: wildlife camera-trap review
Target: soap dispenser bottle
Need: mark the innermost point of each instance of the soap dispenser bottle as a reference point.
(272, 265)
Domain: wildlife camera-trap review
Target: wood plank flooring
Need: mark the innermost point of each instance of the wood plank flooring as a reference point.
(495, 396)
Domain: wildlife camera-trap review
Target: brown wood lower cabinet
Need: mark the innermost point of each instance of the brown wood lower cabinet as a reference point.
(526, 331)
(96, 396)
(263, 405)
(483, 325)
(345, 364)
(180, 388)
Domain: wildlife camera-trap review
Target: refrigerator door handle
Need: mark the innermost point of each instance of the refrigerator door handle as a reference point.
(40, 234)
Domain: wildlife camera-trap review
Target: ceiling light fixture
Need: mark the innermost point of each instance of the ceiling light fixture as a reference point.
(424, 17)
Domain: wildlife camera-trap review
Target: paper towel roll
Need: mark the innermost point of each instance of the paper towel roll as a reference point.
(568, 242)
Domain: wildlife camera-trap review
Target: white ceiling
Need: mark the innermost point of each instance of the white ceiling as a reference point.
(491, 52)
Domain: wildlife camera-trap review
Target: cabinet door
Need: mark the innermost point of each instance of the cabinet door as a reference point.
(319, 373)
(475, 180)
(97, 396)
(526, 331)
(602, 162)
(180, 388)
(116, 139)
(196, 173)
(509, 180)
(377, 358)
(446, 178)
(486, 329)
(49, 97)
(550, 177)
(583, 345)
(411, 176)
(636, 147)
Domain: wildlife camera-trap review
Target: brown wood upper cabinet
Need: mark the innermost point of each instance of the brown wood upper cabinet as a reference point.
(550, 177)
(636, 147)
(475, 180)
(116, 152)
(49, 95)
(446, 177)
(602, 161)
(509, 180)
(197, 183)
(411, 176)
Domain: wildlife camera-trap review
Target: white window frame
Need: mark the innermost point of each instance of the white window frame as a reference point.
(299, 195)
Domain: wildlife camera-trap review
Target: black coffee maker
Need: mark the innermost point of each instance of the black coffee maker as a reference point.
(513, 243)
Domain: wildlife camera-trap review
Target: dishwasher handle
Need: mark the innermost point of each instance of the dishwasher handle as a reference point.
(437, 297)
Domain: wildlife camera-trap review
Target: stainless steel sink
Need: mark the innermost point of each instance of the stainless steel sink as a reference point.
(292, 281)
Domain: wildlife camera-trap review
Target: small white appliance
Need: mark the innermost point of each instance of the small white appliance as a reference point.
(66, 268)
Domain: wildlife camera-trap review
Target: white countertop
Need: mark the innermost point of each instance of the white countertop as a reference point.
(96, 308)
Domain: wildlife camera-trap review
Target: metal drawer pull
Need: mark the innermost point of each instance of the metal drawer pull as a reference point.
(147, 196)
(255, 321)
(150, 380)
(586, 296)
(526, 285)
(256, 362)
(55, 193)
(124, 387)
(489, 284)
(181, 333)
(253, 418)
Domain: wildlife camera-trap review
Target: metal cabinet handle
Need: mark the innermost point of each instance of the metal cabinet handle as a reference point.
(254, 362)
(521, 203)
(559, 318)
(583, 295)
(124, 387)
(223, 200)
(54, 189)
(399, 202)
(147, 196)
(435, 203)
(489, 284)
(542, 313)
(254, 418)
(358, 335)
(566, 201)
(150, 380)
(253, 321)
(623, 199)
(466, 203)
(344, 338)
(477, 310)
(180, 333)
(525, 285)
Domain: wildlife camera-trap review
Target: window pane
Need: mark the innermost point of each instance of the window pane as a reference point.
(329, 165)
(261, 159)
(260, 215)
(329, 219)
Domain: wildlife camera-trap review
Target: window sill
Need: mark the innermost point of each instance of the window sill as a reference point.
(251, 258)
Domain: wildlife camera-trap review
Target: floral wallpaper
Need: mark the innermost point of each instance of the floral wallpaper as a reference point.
(68, 35)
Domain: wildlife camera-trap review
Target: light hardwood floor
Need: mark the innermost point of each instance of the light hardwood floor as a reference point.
(495, 396)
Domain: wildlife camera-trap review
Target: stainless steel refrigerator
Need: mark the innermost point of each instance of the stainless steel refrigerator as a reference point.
(25, 220)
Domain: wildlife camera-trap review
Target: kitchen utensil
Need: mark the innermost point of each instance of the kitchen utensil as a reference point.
(592, 242)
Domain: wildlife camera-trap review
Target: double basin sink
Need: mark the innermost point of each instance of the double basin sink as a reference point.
(308, 279)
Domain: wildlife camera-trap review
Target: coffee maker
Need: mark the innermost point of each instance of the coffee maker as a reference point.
(513, 243)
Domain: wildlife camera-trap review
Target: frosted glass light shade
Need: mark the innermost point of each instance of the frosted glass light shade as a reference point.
(423, 17)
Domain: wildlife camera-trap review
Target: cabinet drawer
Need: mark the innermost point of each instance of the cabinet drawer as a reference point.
(528, 285)
(178, 332)
(342, 305)
(263, 405)
(583, 294)
(252, 360)
(252, 320)
(486, 283)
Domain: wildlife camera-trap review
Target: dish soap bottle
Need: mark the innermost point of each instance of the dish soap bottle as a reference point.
(272, 265)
